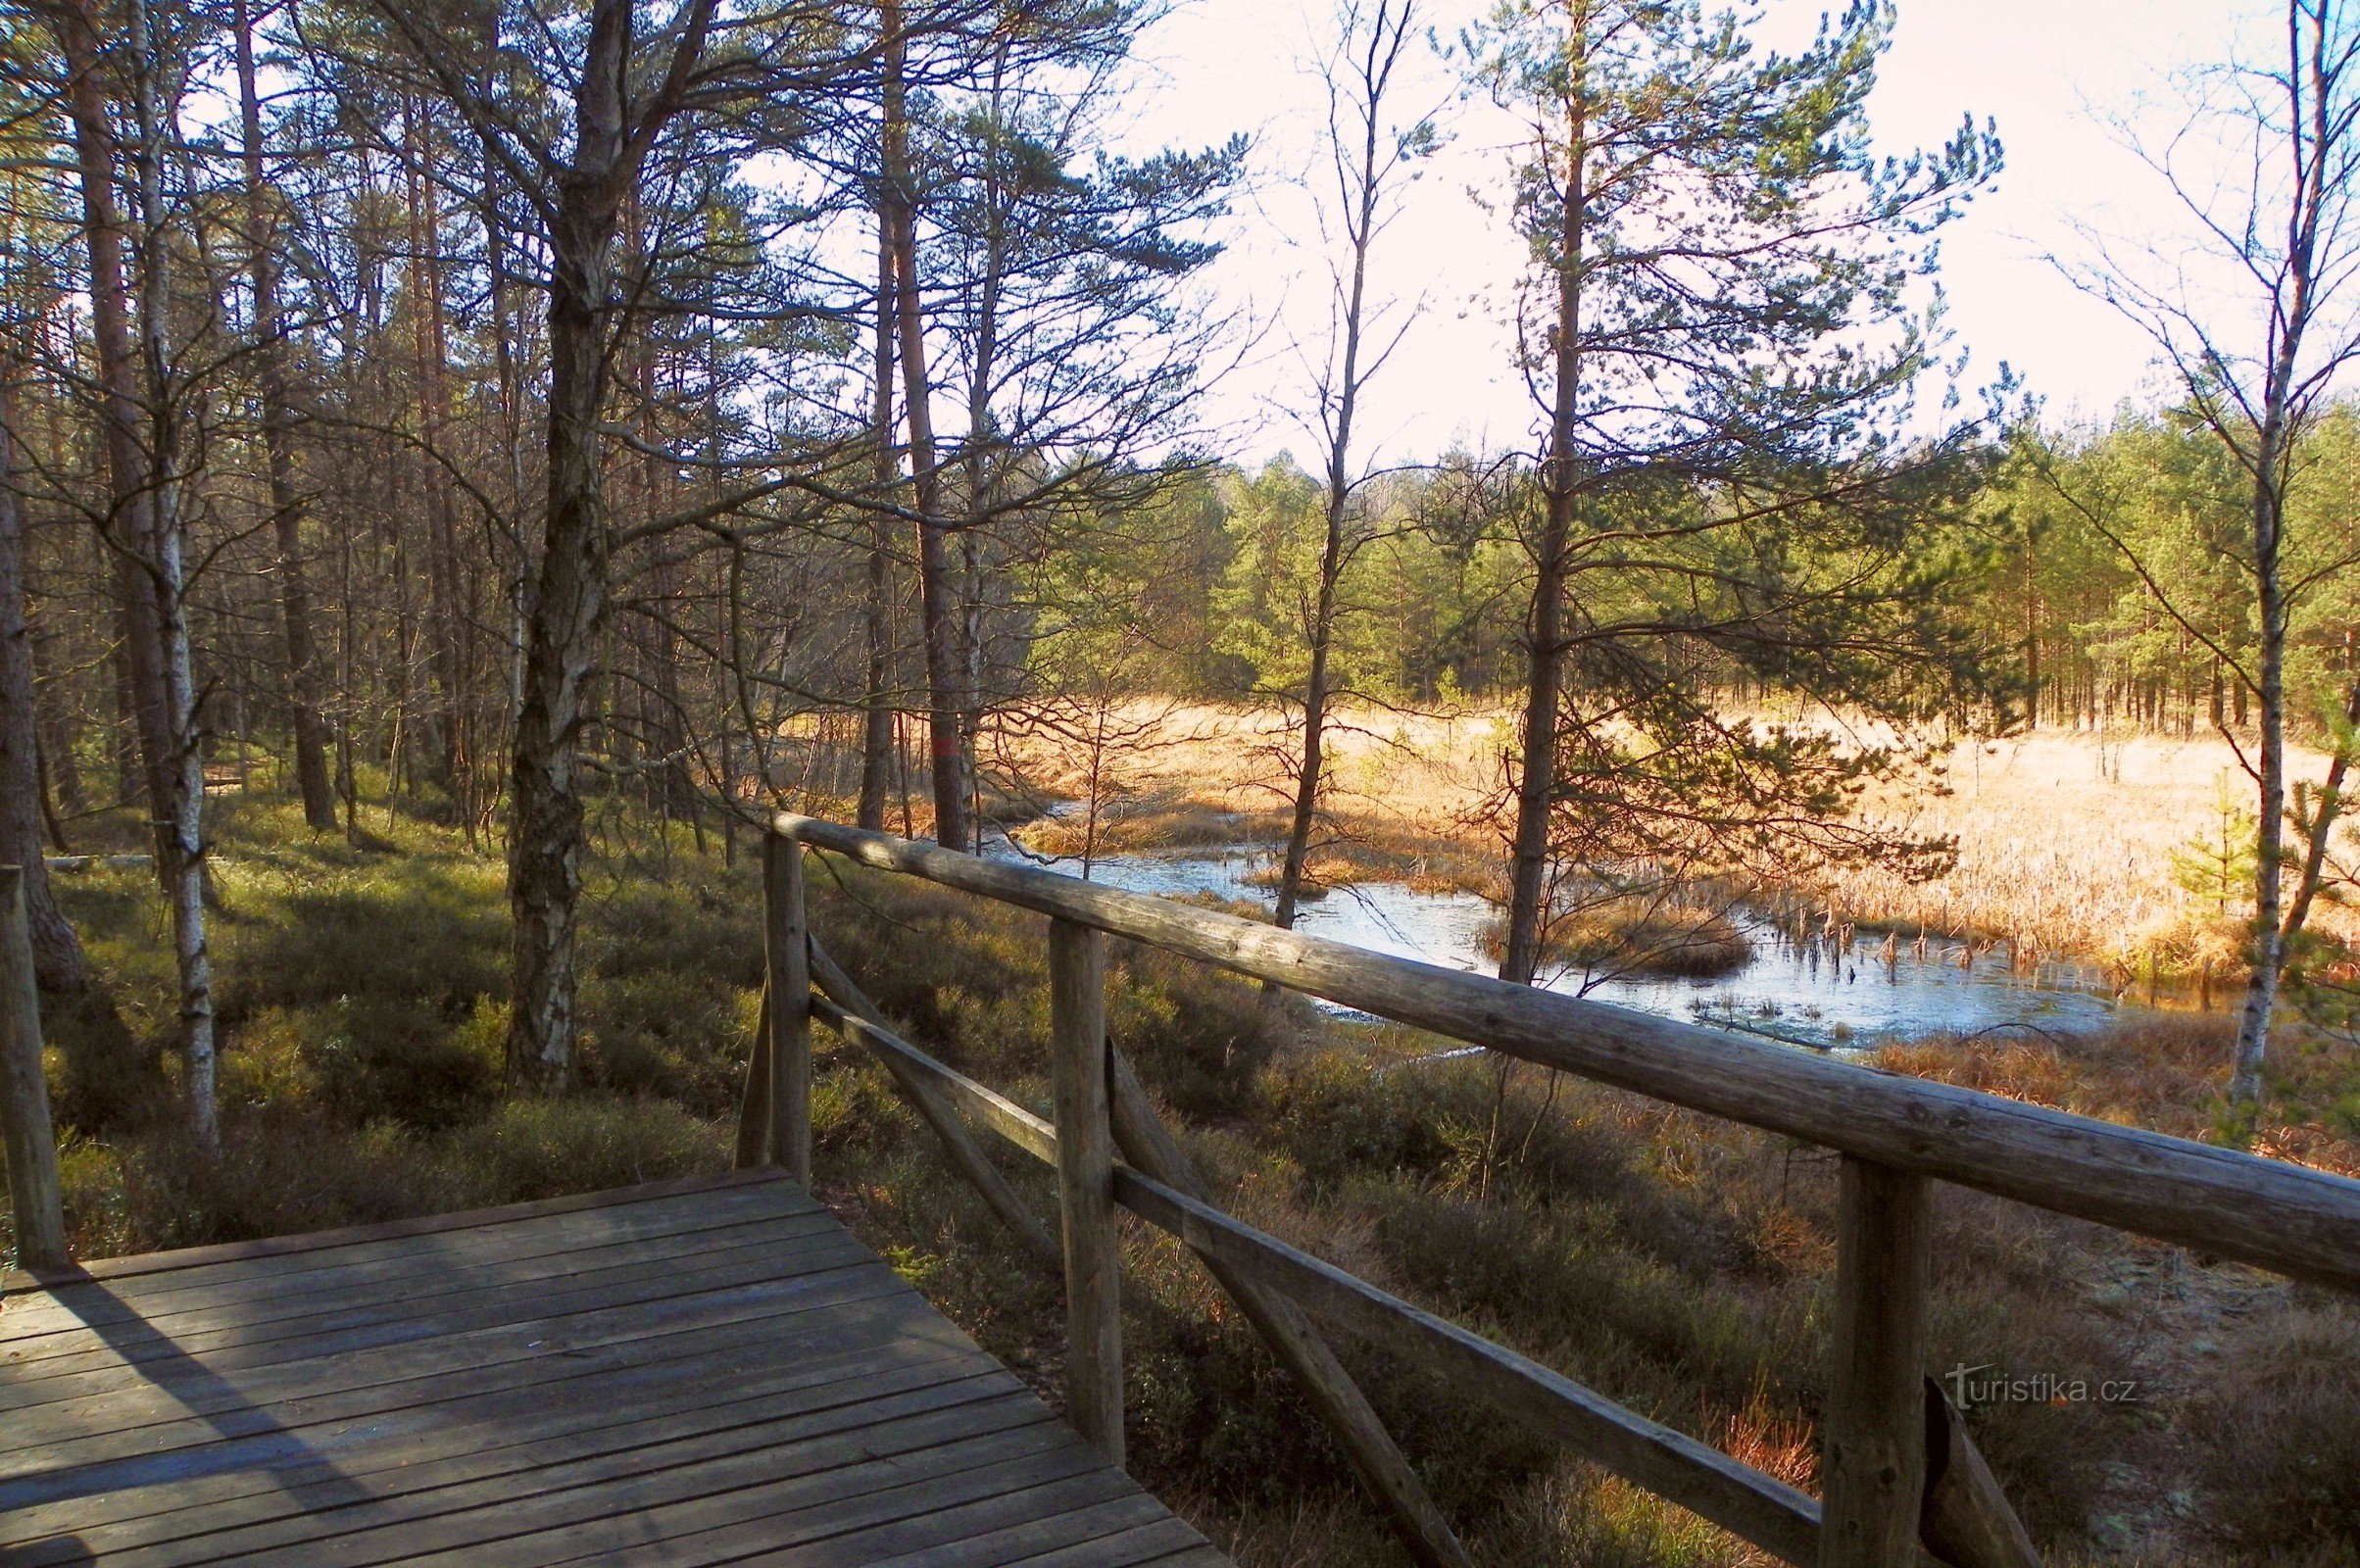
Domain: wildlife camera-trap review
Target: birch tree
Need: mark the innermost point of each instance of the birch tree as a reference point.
(2256, 313)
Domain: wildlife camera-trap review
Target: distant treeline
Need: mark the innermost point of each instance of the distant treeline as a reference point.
(2098, 563)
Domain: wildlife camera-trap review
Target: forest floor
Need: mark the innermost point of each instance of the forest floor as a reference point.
(1678, 1264)
(2070, 843)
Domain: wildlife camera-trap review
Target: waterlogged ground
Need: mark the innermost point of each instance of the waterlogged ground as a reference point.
(1812, 991)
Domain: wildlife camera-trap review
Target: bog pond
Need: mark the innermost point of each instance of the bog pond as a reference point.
(1808, 990)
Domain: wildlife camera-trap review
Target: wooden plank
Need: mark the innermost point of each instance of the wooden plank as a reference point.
(816, 1526)
(27, 1137)
(130, 1338)
(787, 981)
(403, 1375)
(1094, 1533)
(1872, 1435)
(1052, 1488)
(42, 1323)
(662, 1279)
(2266, 1213)
(382, 1320)
(694, 1397)
(477, 1417)
(91, 1319)
(138, 1263)
(1330, 1390)
(863, 1391)
(842, 997)
(1077, 1027)
(838, 1484)
(1672, 1464)
(1151, 1542)
(140, 1298)
(391, 1459)
(762, 1446)
(187, 1387)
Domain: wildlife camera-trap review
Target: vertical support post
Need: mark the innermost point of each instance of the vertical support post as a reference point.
(786, 965)
(26, 1129)
(754, 1100)
(1077, 1004)
(1873, 1440)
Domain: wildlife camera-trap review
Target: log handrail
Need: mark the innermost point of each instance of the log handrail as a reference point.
(1740, 1500)
(1901, 1474)
(2276, 1215)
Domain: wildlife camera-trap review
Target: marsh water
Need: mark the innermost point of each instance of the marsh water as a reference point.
(1809, 989)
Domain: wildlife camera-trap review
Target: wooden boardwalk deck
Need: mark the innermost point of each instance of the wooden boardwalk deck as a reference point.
(697, 1372)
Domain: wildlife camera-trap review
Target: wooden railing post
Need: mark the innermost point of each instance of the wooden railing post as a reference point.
(26, 1130)
(1873, 1435)
(787, 975)
(1077, 1003)
(754, 1100)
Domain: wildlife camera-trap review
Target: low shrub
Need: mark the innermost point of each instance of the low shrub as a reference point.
(2283, 1407)
(548, 1148)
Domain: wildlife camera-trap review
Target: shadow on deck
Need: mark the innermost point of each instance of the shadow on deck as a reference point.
(700, 1372)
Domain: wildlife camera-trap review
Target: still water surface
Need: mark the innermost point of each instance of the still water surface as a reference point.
(1804, 991)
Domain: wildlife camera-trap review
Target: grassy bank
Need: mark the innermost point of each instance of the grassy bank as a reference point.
(1678, 1264)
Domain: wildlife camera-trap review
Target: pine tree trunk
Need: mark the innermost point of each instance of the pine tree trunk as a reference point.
(131, 524)
(430, 348)
(57, 954)
(286, 510)
(876, 694)
(1545, 653)
(937, 613)
(1313, 761)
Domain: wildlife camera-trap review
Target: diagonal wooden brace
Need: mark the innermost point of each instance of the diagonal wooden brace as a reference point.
(958, 1141)
(1288, 1332)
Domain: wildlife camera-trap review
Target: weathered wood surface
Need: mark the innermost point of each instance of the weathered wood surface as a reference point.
(2266, 1213)
(754, 1098)
(27, 1138)
(1967, 1520)
(1872, 1433)
(1375, 1458)
(840, 997)
(687, 1373)
(1084, 1159)
(1698, 1477)
(1671, 1464)
(787, 987)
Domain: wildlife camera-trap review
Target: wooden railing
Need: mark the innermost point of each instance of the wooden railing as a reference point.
(1901, 1481)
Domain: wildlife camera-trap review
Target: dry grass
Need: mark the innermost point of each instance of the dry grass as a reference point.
(2066, 844)
(2067, 841)
(1676, 1264)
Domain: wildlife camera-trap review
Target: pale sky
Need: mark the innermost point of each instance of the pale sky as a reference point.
(2053, 73)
